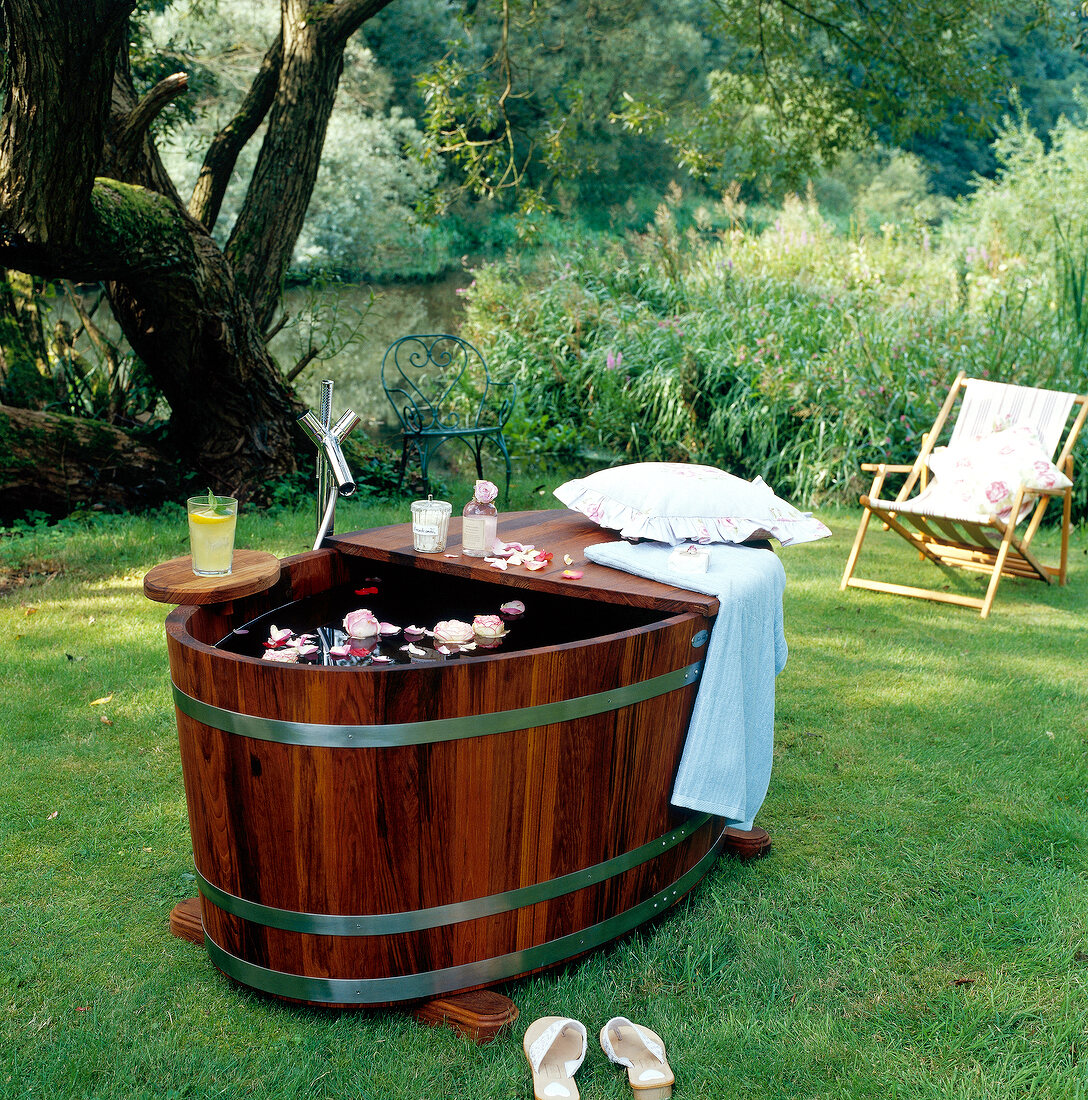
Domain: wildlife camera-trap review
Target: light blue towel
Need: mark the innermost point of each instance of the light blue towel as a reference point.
(726, 766)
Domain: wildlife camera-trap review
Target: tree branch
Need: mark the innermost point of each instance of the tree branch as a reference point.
(222, 155)
(349, 15)
(271, 334)
(152, 103)
(302, 364)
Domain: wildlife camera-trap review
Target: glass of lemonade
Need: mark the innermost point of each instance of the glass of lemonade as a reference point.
(212, 522)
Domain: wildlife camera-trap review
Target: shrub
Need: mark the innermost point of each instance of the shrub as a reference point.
(793, 354)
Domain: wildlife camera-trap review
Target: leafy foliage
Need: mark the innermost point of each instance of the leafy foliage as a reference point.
(791, 353)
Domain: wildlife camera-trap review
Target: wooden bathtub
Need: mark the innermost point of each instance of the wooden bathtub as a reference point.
(375, 835)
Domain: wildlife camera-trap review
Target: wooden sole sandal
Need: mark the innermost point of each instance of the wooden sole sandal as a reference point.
(643, 1053)
(555, 1047)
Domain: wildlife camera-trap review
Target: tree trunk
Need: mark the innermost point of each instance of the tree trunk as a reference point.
(313, 38)
(59, 60)
(52, 463)
(84, 196)
(24, 363)
(232, 415)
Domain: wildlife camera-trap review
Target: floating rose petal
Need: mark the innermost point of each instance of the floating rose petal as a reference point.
(413, 650)
(360, 651)
(567, 559)
(339, 650)
(572, 574)
(277, 637)
(444, 649)
(417, 630)
(239, 630)
(307, 650)
(535, 565)
(388, 628)
(513, 607)
(282, 656)
(380, 660)
(366, 591)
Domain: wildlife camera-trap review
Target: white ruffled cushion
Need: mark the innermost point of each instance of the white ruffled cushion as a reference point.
(980, 477)
(674, 502)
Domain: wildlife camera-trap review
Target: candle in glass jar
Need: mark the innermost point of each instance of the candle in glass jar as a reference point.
(430, 524)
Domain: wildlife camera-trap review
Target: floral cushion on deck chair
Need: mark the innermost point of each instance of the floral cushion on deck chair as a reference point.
(982, 476)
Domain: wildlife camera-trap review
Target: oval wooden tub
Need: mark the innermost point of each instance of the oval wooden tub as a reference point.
(366, 836)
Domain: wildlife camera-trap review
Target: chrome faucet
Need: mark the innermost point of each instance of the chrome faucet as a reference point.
(333, 476)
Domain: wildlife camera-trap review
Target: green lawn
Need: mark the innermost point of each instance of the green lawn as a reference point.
(919, 930)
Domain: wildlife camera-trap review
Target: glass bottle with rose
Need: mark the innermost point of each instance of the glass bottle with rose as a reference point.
(479, 521)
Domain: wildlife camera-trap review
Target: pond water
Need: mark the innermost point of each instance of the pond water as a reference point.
(365, 320)
(354, 326)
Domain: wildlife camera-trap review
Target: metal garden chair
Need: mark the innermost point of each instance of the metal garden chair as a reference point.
(440, 388)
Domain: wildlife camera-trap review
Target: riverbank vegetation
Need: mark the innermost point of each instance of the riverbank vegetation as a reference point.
(628, 198)
(795, 352)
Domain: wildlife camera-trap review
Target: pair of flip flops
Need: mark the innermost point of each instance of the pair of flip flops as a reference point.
(556, 1048)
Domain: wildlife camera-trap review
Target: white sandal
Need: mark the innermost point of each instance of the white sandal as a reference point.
(555, 1047)
(643, 1053)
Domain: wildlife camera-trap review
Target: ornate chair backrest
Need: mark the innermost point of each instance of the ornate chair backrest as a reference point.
(438, 382)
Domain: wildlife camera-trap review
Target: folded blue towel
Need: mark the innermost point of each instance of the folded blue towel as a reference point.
(726, 765)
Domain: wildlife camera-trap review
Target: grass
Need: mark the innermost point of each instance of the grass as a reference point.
(919, 930)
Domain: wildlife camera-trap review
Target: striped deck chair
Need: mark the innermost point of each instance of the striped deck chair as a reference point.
(961, 537)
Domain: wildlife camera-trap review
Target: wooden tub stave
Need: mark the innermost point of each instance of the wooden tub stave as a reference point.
(354, 869)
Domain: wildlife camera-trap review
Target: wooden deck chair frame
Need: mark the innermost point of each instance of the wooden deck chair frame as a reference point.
(989, 546)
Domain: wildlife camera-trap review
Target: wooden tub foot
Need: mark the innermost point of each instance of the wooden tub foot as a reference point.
(747, 843)
(185, 921)
(479, 1015)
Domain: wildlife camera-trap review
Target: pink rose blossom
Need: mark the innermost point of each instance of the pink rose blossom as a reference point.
(488, 626)
(453, 632)
(361, 623)
(486, 491)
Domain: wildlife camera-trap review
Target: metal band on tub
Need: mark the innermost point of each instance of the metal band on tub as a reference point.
(405, 987)
(439, 916)
(321, 735)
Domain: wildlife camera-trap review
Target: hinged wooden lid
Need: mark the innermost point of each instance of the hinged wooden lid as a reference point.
(174, 581)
